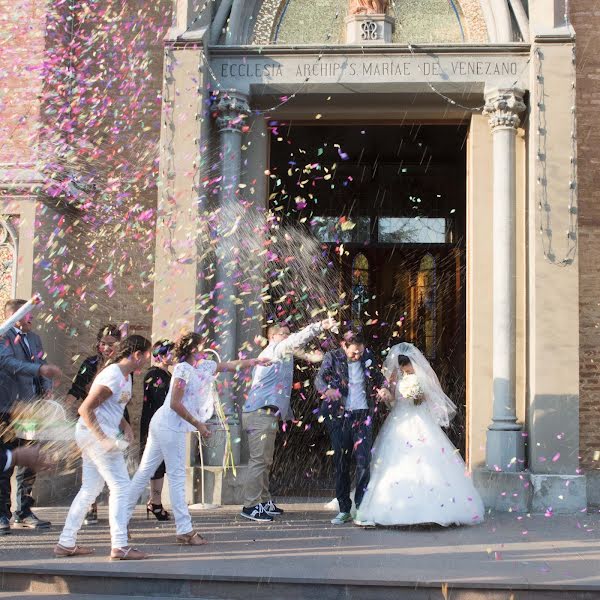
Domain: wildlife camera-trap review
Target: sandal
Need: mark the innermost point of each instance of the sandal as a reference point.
(61, 551)
(158, 511)
(193, 538)
(128, 553)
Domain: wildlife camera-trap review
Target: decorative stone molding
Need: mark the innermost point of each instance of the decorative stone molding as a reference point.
(369, 29)
(232, 109)
(8, 257)
(503, 106)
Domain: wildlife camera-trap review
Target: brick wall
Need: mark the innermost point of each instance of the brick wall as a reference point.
(83, 81)
(22, 25)
(121, 44)
(585, 16)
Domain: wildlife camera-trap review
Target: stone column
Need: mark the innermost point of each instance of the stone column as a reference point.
(505, 443)
(231, 112)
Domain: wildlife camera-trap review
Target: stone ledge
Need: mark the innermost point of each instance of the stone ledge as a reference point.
(527, 492)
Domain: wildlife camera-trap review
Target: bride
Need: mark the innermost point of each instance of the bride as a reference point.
(417, 475)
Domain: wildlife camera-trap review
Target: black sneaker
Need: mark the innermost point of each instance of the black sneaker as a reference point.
(270, 508)
(30, 521)
(4, 526)
(256, 513)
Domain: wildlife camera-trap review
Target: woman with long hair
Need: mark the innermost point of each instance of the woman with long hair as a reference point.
(156, 386)
(106, 340)
(97, 435)
(186, 409)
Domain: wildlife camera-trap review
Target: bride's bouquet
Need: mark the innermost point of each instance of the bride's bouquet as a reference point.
(411, 389)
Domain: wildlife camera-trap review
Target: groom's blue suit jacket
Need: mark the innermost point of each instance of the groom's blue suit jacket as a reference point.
(333, 374)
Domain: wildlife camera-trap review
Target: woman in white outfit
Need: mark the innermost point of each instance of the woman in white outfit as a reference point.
(417, 475)
(97, 435)
(188, 405)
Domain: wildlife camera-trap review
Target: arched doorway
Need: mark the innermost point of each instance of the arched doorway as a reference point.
(391, 215)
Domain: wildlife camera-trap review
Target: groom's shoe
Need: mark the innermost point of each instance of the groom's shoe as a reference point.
(271, 509)
(256, 513)
(342, 518)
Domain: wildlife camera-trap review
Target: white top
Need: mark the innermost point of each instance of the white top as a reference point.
(272, 385)
(110, 412)
(197, 397)
(357, 395)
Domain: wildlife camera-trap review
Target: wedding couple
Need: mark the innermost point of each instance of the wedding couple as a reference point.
(417, 475)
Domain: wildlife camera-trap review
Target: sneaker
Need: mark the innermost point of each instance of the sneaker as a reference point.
(4, 526)
(30, 521)
(256, 513)
(270, 508)
(342, 518)
(91, 518)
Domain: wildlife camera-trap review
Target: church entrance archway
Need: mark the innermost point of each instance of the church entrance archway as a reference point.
(388, 204)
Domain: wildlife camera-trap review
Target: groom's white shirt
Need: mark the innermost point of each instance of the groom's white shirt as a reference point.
(357, 395)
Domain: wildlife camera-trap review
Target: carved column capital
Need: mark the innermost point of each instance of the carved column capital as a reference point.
(231, 110)
(503, 106)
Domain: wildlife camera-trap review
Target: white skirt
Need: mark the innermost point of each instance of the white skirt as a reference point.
(417, 475)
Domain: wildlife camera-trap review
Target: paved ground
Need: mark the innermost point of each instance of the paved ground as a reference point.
(554, 552)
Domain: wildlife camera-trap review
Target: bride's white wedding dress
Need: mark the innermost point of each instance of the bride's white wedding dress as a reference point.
(417, 475)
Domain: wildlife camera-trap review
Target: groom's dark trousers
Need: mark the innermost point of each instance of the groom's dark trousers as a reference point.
(351, 433)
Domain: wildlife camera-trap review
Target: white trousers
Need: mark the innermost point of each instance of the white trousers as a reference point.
(168, 445)
(99, 466)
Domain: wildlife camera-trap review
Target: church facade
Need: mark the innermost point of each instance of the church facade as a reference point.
(440, 153)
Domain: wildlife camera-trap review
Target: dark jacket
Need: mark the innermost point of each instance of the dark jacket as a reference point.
(19, 369)
(333, 374)
(156, 387)
(3, 457)
(83, 380)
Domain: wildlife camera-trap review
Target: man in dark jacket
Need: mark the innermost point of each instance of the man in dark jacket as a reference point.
(351, 384)
(24, 377)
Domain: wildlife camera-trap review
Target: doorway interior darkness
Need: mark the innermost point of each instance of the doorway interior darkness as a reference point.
(388, 204)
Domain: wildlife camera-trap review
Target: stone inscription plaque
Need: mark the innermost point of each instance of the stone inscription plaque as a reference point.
(242, 72)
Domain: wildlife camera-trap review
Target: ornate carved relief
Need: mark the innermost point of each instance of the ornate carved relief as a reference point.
(503, 108)
(232, 109)
(368, 7)
(8, 259)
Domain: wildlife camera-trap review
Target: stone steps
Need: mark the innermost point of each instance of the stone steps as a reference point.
(49, 584)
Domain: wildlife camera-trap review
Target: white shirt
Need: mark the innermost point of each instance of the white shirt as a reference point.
(110, 412)
(197, 397)
(357, 395)
(272, 385)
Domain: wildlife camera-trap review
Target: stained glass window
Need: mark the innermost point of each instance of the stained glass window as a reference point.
(360, 285)
(426, 305)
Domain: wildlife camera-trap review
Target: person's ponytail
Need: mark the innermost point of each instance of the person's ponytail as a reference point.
(126, 347)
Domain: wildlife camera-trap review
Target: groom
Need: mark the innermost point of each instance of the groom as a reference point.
(351, 383)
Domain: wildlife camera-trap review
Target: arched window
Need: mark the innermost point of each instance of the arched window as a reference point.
(426, 305)
(8, 260)
(360, 285)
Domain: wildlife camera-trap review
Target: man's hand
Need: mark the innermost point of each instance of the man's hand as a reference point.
(332, 394)
(384, 394)
(30, 457)
(203, 430)
(328, 324)
(51, 372)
